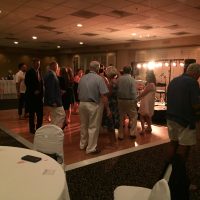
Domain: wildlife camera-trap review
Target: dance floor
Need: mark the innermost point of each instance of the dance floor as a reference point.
(9, 122)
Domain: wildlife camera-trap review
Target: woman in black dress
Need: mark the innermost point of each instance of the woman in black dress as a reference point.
(66, 85)
(77, 77)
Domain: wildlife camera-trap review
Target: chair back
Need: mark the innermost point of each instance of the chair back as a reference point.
(49, 140)
(168, 172)
(160, 191)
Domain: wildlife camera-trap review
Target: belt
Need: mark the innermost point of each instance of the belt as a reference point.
(125, 99)
(87, 101)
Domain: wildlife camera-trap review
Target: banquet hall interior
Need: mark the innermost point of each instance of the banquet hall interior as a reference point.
(161, 35)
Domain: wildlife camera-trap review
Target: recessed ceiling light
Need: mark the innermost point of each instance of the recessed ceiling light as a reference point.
(58, 46)
(133, 34)
(81, 43)
(0, 11)
(15, 42)
(79, 25)
(34, 37)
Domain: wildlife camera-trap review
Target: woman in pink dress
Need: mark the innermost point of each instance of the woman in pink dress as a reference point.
(147, 98)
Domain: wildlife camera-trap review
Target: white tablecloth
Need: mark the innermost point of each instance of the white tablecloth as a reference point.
(23, 180)
(8, 89)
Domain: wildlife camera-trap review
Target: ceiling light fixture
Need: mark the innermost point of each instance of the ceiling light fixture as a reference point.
(79, 25)
(58, 46)
(81, 43)
(34, 37)
(15, 42)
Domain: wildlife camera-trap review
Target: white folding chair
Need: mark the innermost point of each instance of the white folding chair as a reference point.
(49, 139)
(160, 190)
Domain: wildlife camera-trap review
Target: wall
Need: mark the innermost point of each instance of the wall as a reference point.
(118, 55)
(10, 58)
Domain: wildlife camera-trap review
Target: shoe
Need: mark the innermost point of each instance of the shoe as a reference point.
(32, 131)
(193, 187)
(142, 132)
(21, 118)
(83, 148)
(148, 130)
(64, 126)
(132, 137)
(96, 151)
(26, 115)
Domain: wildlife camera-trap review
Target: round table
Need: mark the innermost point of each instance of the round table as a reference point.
(24, 180)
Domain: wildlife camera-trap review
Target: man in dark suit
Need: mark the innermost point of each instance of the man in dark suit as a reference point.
(34, 92)
(52, 96)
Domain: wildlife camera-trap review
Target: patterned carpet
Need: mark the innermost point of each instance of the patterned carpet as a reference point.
(6, 140)
(141, 168)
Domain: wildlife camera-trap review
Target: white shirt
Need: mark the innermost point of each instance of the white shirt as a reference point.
(20, 76)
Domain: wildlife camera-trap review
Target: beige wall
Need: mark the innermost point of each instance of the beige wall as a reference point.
(124, 58)
(10, 58)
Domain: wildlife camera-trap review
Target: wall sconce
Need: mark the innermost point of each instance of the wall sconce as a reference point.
(151, 65)
(139, 66)
(144, 65)
(174, 64)
(166, 64)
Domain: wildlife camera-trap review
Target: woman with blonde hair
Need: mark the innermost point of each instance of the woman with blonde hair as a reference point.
(111, 122)
(147, 98)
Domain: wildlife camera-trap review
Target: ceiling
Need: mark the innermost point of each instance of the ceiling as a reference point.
(104, 22)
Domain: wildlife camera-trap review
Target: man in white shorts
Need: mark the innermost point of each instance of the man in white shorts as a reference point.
(183, 111)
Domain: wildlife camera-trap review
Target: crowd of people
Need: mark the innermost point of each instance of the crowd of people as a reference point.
(104, 97)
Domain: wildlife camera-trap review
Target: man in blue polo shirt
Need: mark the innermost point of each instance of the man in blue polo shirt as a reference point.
(92, 92)
(127, 102)
(183, 111)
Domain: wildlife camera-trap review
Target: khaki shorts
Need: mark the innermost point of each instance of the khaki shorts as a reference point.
(184, 136)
